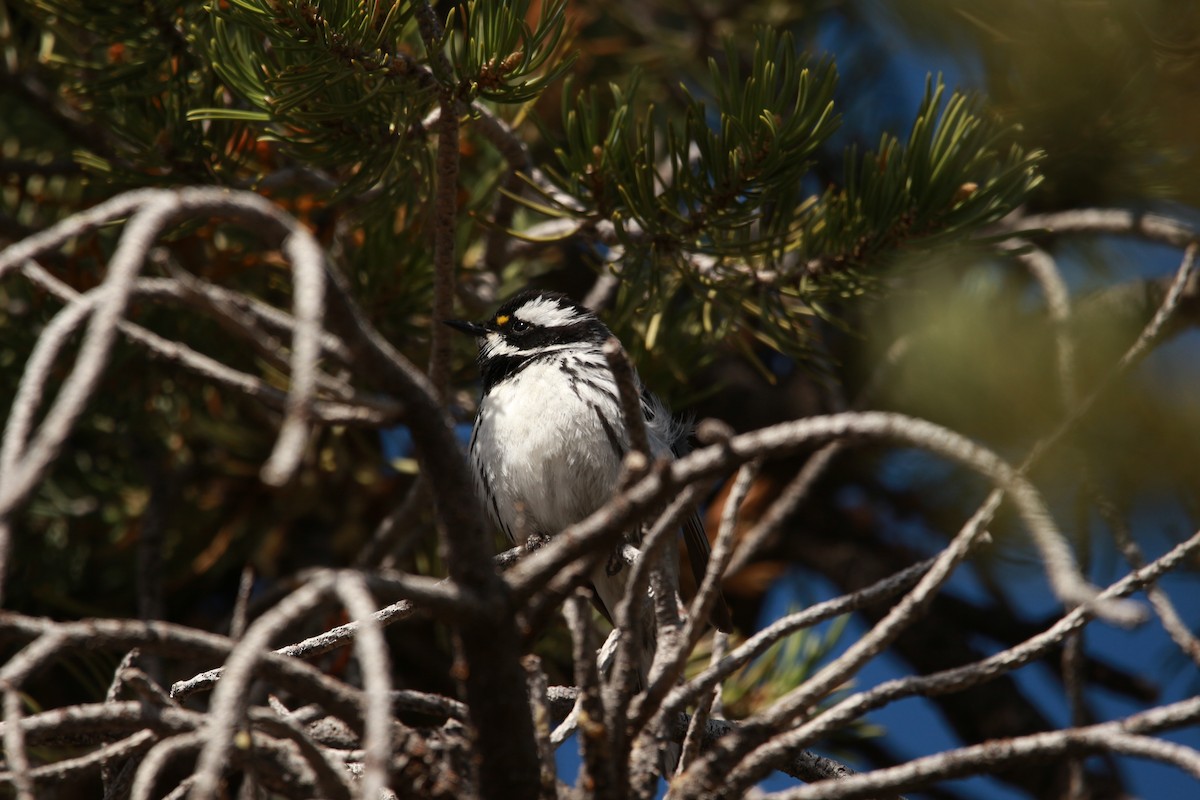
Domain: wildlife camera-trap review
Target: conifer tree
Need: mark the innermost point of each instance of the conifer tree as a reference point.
(230, 229)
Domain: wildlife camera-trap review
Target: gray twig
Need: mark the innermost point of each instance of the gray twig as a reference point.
(1168, 615)
(630, 393)
(966, 676)
(377, 682)
(713, 770)
(158, 757)
(628, 621)
(445, 200)
(762, 641)
(593, 733)
(14, 745)
(541, 720)
(605, 524)
(152, 212)
(706, 594)
(991, 756)
(705, 708)
(229, 700)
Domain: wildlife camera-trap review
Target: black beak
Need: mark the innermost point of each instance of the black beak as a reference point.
(472, 328)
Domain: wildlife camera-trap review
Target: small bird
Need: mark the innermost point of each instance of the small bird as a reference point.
(549, 438)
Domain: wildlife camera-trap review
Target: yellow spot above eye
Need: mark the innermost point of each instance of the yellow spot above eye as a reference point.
(502, 319)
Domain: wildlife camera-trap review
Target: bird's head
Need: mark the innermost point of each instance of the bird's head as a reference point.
(532, 324)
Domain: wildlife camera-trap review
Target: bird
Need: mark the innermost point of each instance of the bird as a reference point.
(549, 438)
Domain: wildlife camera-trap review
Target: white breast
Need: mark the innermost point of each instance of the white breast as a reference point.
(541, 448)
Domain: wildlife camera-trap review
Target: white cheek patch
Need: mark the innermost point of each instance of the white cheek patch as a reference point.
(494, 345)
(546, 312)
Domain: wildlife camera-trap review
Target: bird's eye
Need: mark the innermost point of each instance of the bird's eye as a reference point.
(518, 325)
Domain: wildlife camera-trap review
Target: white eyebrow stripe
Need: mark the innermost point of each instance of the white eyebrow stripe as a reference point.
(546, 311)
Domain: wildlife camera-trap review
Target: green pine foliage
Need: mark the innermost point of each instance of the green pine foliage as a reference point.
(710, 190)
(499, 57)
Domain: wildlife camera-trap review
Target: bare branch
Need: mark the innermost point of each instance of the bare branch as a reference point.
(963, 677)
(603, 525)
(308, 270)
(81, 766)
(431, 593)
(991, 756)
(158, 757)
(1154, 227)
(762, 641)
(445, 201)
(1172, 623)
(487, 638)
(1072, 675)
(24, 465)
(706, 594)
(394, 529)
(229, 700)
(153, 211)
(705, 708)
(359, 410)
(426, 703)
(241, 604)
(630, 394)
(541, 721)
(1183, 757)
(629, 621)
(800, 487)
(14, 744)
(795, 493)
(803, 699)
(1044, 269)
(598, 761)
(87, 724)
(331, 777)
(377, 683)
(805, 765)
